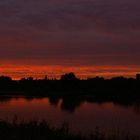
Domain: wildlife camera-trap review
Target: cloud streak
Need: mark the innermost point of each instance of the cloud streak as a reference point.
(70, 32)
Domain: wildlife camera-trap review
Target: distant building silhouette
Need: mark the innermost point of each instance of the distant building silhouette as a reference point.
(138, 76)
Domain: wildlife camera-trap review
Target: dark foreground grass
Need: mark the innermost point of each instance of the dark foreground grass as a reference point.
(42, 131)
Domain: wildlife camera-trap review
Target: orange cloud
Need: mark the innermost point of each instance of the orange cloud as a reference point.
(18, 71)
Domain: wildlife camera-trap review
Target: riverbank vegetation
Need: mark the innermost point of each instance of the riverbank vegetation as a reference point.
(70, 85)
(43, 131)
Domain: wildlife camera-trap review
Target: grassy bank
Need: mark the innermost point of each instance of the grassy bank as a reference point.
(42, 131)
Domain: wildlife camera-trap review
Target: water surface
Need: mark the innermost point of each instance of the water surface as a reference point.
(82, 116)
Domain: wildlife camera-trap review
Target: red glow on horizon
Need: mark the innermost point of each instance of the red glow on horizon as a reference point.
(17, 71)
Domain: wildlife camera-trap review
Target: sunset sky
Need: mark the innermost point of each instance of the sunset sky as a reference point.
(88, 37)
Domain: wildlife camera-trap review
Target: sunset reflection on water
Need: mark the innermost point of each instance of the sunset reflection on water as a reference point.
(84, 118)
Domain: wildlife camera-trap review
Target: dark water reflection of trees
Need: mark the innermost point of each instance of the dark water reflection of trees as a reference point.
(70, 104)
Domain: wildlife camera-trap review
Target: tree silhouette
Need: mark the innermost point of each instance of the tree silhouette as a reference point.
(5, 79)
(69, 76)
(138, 76)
